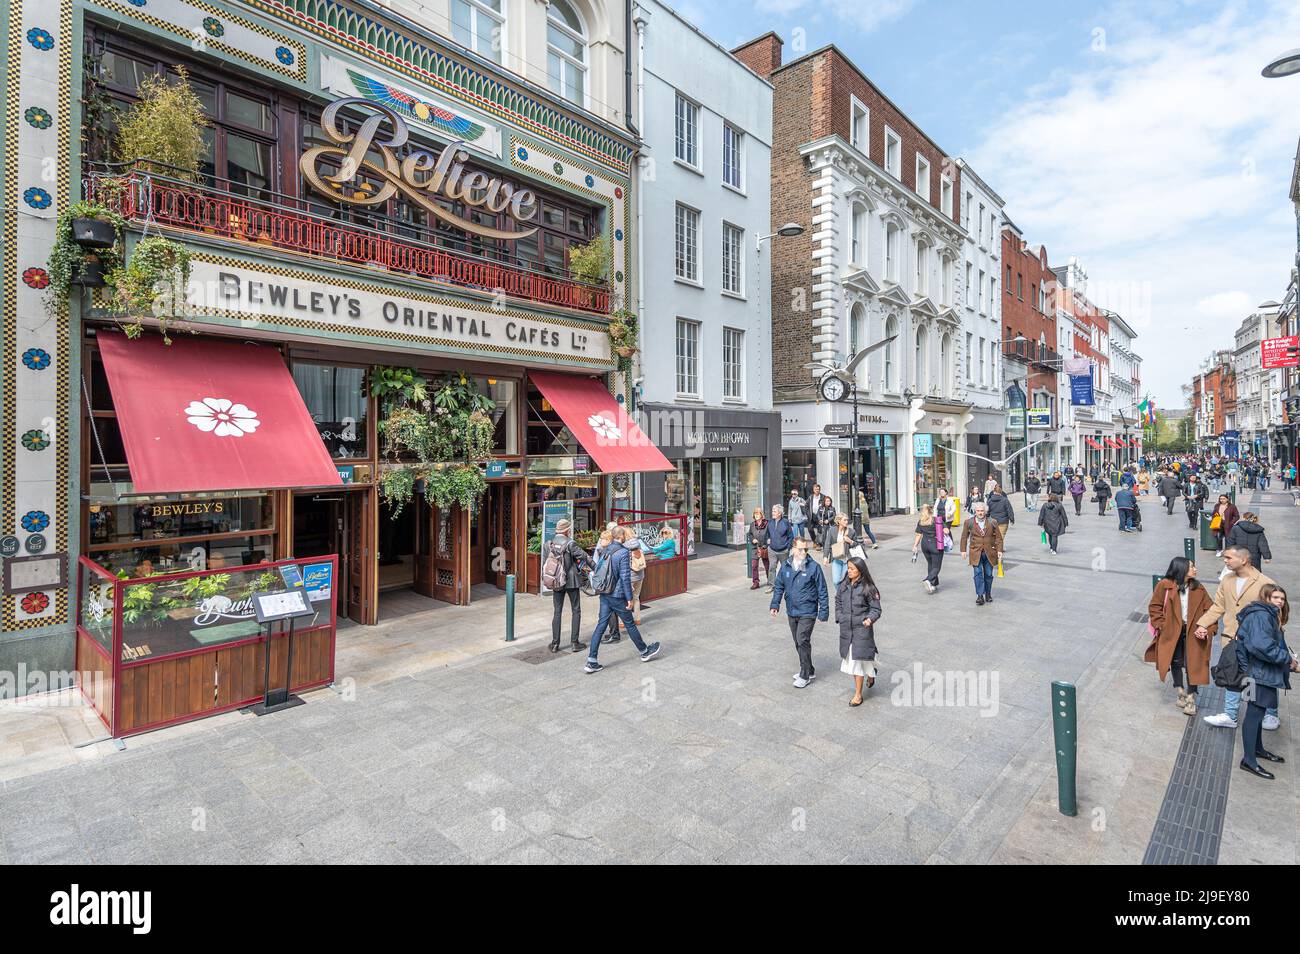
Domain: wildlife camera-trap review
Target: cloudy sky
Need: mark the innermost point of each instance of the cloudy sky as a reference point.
(1139, 137)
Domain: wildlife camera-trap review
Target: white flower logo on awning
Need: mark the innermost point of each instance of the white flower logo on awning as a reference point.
(604, 427)
(221, 417)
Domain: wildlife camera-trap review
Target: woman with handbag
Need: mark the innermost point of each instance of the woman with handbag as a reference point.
(843, 545)
(1225, 518)
(857, 607)
(825, 520)
(1177, 598)
(759, 533)
(932, 537)
(1052, 518)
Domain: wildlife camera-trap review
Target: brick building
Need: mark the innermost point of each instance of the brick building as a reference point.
(878, 263)
(1029, 350)
(1214, 405)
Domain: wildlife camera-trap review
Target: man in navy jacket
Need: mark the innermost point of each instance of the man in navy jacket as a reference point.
(618, 603)
(802, 582)
(780, 536)
(1124, 503)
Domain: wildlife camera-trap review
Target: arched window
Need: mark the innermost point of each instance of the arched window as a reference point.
(922, 268)
(891, 370)
(858, 340)
(945, 365)
(566, 52)
(923, 360)
(858, 243)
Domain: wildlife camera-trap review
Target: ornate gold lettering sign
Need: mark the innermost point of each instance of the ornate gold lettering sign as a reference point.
(419, 174)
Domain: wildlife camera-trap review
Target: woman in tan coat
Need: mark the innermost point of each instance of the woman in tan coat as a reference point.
(1177, 598)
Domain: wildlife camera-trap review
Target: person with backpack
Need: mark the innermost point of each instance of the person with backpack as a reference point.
(1240, 586)
(1175, 647)
(612, 581)
(562, 571)
(801, 582)
(1264, 657)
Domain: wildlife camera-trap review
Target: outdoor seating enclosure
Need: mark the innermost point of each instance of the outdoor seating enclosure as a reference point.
(664, 576)
(160, 650)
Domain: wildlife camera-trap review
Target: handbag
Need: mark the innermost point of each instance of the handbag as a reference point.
(838, 550)
(1216, 522)
(857, 551)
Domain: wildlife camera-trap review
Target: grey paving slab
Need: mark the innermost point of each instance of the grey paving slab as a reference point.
(705, 755)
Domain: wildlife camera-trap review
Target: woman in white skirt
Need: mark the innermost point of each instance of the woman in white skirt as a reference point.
(857, 607)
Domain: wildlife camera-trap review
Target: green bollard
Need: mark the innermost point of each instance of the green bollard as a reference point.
(1189, 548)
(510, 607)
(1065, 731)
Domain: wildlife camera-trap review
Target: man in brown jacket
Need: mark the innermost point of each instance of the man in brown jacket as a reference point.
(1236, 591)
(981, 543)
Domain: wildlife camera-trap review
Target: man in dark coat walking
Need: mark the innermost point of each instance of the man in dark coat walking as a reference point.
(1167, 487)
(801, 582)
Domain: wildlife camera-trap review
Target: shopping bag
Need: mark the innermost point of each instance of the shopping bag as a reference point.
(1000, 573)
(1043, 537)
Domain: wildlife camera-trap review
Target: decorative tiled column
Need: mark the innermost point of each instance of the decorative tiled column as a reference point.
(37, 436)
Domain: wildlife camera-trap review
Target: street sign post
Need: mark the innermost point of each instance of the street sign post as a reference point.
(835, 443)
(838, 430)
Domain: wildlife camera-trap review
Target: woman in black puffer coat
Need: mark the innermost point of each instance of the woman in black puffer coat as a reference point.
(857, 607)
(1053, 520)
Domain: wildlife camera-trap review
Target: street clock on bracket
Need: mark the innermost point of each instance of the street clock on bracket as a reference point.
(833, 388)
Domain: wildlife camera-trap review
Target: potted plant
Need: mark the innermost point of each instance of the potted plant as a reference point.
(153, 282)
(163, 131)
(69, 263)
(589, 264)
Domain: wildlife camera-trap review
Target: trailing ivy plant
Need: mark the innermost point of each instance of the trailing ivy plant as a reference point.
(152, 283)
(432, 437)
(66, 256)
(163, 130)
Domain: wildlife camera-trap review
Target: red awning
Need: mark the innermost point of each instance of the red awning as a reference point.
(200, 415)
(1092, 443)
(599, 423)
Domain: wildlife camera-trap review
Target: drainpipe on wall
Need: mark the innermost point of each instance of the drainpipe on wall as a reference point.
(641, 20)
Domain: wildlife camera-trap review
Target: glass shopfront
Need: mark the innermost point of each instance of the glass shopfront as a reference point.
(934, 473)
(718, 490)
(875, 472)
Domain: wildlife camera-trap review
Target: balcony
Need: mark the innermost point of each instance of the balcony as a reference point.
(1032, 352)
(258, 217)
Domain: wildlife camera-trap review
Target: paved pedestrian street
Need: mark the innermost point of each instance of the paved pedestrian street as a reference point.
(707, 753)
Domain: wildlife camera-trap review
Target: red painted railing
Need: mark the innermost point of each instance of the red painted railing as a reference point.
(196, 208)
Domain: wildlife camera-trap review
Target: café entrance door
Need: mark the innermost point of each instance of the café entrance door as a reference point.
(340, 522)
(441, 555)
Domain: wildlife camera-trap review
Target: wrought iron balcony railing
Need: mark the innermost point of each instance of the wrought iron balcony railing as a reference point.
(233, 211)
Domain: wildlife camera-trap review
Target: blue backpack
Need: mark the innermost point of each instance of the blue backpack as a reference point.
(603, 578)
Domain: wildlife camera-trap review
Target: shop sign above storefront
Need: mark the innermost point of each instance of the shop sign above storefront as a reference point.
(420, 175)
(220, 288)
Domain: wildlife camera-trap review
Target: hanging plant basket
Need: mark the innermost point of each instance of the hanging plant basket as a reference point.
(94, 233)
(625, 351)
(88, 273)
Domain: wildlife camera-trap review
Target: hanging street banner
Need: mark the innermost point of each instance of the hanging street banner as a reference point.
(1081, 390)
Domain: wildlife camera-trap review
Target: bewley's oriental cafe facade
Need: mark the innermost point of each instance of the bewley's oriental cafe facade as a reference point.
(369, 197)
